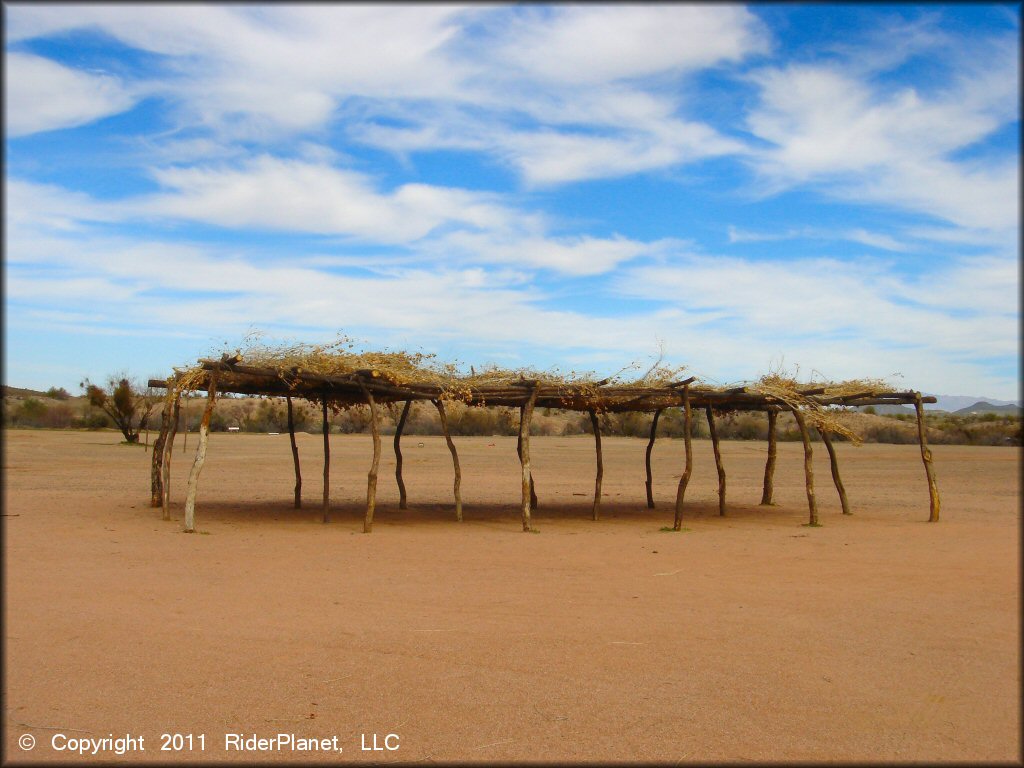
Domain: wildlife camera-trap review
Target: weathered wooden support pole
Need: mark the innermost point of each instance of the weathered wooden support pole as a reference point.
(156, 485)
(197, 465)
(834, 462)
(718, 460)
(455, 458)
(926, 457)
(184, 442)
(769, 466)
(169, 451)
(371, 477)
(808, 467)
(650, 447)
(402, 502)
(685, 478)
(600, 464)
(526, 416)
(327, 460)
(519, 452)
(295, 455)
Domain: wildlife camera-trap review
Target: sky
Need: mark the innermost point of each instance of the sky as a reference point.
(831, 191)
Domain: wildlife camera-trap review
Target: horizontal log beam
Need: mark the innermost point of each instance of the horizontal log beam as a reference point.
(347, 389)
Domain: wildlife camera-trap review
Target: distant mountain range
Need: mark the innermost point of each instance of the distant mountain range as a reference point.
(968, 403)
(951, 403)
(983, 407)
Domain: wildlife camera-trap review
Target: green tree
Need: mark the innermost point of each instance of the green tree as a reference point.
(58, 393)
(124, 402)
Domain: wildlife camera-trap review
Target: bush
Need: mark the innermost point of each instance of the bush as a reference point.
(59, 416)
(742, 426)
(31, 413)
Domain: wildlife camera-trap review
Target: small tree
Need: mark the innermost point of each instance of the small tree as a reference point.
(123, 401)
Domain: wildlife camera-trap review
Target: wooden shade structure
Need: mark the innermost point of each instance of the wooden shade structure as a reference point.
(375, 387)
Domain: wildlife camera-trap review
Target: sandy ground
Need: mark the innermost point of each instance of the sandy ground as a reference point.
(877, 637)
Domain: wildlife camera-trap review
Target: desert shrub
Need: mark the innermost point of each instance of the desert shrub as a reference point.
(671, 423)
(58, 393)
(742, 426)
(632, 424)
(572, 427)
(30, 413)
(352, 420)
(97, 420)
(267, 416)
(59, 416)
(470, 420)
(423, 420)
(882, 432)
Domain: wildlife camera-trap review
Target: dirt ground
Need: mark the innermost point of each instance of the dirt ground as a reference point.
(877, 637)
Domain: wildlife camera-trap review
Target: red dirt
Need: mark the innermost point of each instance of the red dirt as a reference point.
(877, 637)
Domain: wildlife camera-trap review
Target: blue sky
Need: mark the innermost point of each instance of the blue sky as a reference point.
(831, 189)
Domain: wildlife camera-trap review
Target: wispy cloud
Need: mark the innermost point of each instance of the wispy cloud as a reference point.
(295, 195)
(864, 142)
(873, 239)
(41, 95)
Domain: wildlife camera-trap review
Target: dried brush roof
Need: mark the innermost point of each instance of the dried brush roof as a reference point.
(342, 374)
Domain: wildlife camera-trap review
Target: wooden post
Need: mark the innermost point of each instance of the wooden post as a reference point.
(524, 455)
(156, 485)
(827, 440)
(650, 447)
(197, 465)
(295, 455)
(685, 478)
(808, 467)
(184, 442)
(718, 460)
(371, 477)
(455, 458)
(327, 460)
(519, 452)
(600, 464)
(769, 467)
(926, 457)
(402, 503)
(169, 451)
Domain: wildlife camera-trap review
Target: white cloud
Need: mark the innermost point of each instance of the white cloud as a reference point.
(600, 43)
(264, 74)
(576, 256)
(553, 157)
(858, 235)
(268, 71)
(875, 240)
(41, 95)
(967, 310)
(423, 223)
(971, 195)
(727, 318)
(863, 141)
(301, 196)
(43, 207)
